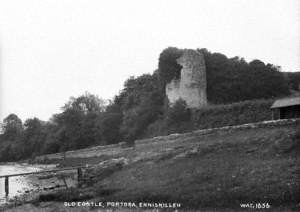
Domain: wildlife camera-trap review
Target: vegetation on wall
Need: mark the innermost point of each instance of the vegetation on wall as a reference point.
(180, 119)
(293, 79)
(233, 114)
(168, 68)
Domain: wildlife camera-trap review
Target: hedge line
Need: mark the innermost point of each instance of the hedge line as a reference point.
(214, 116)
(233, 114)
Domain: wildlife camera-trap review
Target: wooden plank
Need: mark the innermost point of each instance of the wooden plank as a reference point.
(41, 172)
(65, 182)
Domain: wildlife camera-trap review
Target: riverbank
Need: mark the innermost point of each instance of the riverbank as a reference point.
(25, 188)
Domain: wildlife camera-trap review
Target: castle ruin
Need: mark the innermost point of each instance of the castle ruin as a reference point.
(191, 86)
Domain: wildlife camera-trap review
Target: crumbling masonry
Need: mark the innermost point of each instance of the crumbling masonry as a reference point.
(191, 86)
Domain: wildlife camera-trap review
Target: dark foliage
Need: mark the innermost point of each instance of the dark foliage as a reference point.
(12, 127)
(210, 117)
(75, 127)
(293, 80)
(108, 128)
(233, 79)
(168, 68)
(178, 113)
(141, 105)
(233, 114)
(33, 136)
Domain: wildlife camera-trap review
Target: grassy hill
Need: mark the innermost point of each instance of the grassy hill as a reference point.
(223, 169)
(213, 170)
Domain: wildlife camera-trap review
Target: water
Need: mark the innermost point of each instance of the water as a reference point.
(17, 185)
(31, 183)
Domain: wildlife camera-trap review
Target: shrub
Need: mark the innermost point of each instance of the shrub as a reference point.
(109, 128)
(179, 118)
(168, 68)
(233, 114)
(178, 113)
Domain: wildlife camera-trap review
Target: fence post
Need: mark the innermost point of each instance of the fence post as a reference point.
(79, 176)
(6, 186)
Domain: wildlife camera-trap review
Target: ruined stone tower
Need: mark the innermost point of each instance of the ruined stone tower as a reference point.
(191, 86)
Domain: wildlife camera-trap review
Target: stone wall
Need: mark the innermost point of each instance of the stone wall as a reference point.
(175, 146)
(117, 150)
(191, 87)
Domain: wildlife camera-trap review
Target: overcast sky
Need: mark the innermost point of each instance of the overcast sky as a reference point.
(53, 49)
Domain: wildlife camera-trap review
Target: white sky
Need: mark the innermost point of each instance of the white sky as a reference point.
(53, 49)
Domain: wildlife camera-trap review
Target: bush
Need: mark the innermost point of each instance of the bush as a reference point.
(233, 79)
(178, 113)
(109, 128)
(233, 114)
(136, 121)
(179, 119)
(168, 68)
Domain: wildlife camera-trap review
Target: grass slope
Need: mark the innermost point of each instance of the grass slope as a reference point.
(219, 170)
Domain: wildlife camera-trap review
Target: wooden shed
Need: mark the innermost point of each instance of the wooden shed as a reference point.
(287, 108)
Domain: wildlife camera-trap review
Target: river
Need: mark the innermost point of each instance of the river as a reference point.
(27, 184)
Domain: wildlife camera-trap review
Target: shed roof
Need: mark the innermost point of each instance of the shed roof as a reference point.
(286, 102)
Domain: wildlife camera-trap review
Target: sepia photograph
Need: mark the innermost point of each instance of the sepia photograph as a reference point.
(149, 106)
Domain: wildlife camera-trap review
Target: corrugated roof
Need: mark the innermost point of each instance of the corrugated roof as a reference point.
(286, 102)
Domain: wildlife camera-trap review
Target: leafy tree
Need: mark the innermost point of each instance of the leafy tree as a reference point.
(12, 127)
(115, 106)
(54, 137)
(7, 154)
(76, 124)
(293, 79)
(136, 121)
(88, 130)
(108, 126)
(33, 136)
(233, 79)
(137, 90)
(85, 103)
(168, 68)
(69, 129)
(141, 103)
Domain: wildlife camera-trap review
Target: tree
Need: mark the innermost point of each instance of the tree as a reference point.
(33, 136)
(68, 128)
(137, 119)
(52, 142)
(85, 103)
(12, 127)
(88, 131)
(168, 68)
(141, 102)
(293, 79)
(108, 128)
(233, 79)
(74, 128)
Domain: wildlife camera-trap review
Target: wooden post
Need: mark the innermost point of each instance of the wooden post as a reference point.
(280, 114)
(6, 186)
(65, 182)
(79, 176)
